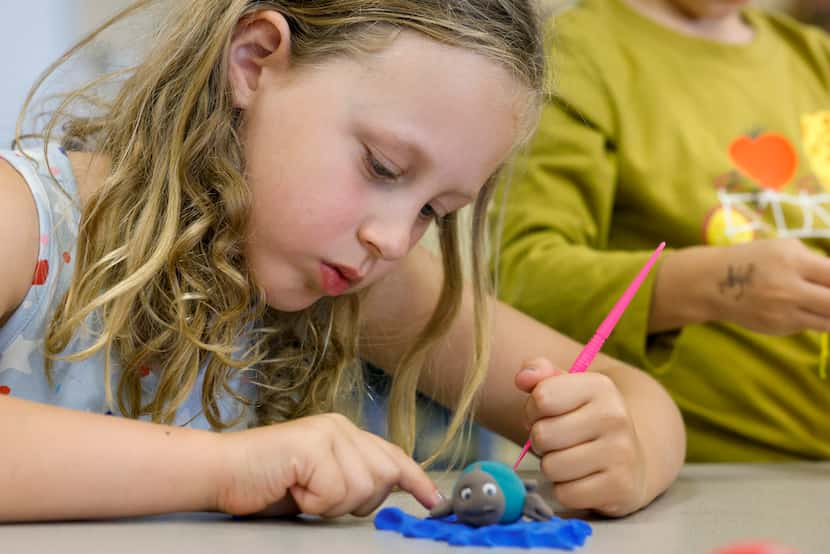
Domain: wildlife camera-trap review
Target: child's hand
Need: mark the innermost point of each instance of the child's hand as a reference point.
(774, 286)
(319, 465)
(580, 428)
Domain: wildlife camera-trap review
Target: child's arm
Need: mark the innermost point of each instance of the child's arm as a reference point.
(62, 464)
(57, 463)
(635, 427)
(18, 239)
(66, 464)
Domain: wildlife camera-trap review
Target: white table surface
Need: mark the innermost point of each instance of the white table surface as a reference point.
(710, 506)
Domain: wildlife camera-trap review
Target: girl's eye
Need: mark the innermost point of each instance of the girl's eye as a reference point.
(489, 489)
(428, 212)
(377, 168)
(466, 493)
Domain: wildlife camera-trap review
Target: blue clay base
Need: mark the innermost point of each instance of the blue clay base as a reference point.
(565, 534)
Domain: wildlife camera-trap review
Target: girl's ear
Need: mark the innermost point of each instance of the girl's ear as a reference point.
(261, 41)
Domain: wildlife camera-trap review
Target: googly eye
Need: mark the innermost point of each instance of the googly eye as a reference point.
(466, 493)
(489, 489)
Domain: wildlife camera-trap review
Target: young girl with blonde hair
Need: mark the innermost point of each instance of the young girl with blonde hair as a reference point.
(219, 245)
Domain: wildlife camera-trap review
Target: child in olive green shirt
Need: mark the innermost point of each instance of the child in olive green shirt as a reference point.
(707, 125)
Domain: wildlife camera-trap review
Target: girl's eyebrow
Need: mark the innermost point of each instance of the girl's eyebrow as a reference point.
(413, 148)
(401, 142)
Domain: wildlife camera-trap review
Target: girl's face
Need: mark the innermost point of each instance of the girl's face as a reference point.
(351, 160)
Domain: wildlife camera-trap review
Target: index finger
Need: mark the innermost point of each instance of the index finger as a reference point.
(413, 478)
(561, 395)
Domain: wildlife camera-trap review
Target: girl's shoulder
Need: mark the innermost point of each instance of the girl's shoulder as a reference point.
(39, 215)
(19, 242)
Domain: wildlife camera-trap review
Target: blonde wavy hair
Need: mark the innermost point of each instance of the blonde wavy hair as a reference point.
(160, 264)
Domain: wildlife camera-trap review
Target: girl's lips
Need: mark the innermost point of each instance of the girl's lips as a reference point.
(333, 282)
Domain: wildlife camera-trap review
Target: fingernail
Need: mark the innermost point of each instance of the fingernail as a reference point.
(530, 369)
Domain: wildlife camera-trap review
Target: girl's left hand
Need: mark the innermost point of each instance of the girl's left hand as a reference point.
(580, 428)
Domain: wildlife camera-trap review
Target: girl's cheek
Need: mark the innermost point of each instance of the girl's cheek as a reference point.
(379, 272)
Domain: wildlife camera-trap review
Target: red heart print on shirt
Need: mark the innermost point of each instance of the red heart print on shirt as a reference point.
(768, 158)
(41, 272)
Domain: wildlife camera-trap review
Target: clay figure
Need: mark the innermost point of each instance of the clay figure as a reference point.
(489, 492)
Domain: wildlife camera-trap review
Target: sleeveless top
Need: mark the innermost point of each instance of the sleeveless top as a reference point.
(78, 385)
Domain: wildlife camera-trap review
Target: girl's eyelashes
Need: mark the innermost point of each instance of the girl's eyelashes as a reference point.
(428, 212)
(378, 169)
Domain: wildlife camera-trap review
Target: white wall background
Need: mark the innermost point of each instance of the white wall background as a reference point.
(33, 34)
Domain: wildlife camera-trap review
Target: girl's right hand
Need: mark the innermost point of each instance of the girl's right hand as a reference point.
(319, 465)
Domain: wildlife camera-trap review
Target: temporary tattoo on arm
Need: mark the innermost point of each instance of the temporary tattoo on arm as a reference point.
(737, 279)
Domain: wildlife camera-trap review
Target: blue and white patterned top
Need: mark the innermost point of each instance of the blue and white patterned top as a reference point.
(78, 385)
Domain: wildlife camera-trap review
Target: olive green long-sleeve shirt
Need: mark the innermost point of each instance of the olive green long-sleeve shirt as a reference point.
(653, 135)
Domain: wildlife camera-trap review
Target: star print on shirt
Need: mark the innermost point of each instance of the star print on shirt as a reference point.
(18, 353)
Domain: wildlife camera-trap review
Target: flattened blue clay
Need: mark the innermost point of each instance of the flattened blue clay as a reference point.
(565, 534)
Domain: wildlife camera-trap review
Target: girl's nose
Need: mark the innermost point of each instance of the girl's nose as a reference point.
(388, 240)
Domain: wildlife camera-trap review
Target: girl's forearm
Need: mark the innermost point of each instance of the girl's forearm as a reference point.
(64, 464)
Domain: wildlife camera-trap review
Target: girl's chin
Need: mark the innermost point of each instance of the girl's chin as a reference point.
(292, 302)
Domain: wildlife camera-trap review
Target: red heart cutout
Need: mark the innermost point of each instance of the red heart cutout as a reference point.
(768, 158)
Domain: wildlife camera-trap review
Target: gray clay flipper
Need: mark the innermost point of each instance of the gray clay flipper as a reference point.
(536, 508)
(530, 485)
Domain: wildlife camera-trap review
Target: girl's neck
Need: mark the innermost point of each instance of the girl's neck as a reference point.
(729, 27)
